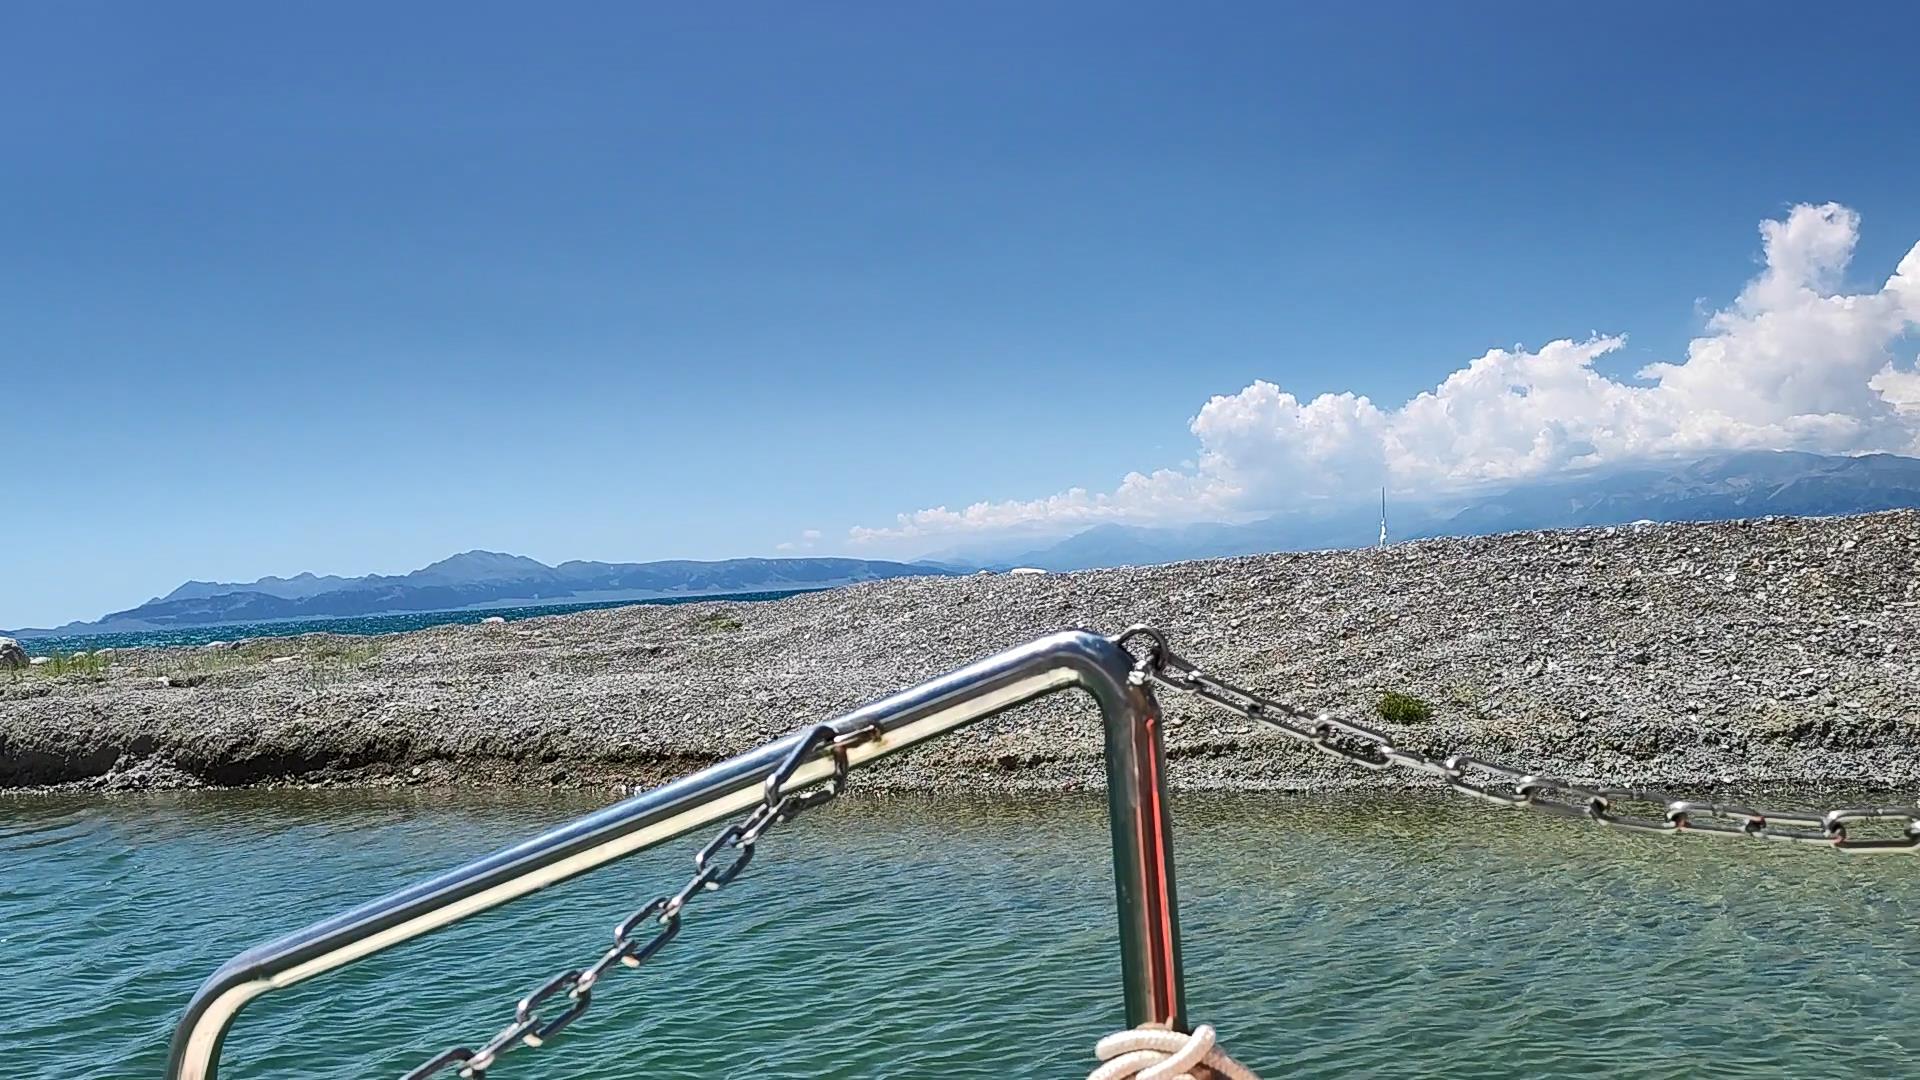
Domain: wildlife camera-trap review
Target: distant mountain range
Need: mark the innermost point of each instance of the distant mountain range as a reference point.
(479, 579)
(1724, 486)
(1749, 484)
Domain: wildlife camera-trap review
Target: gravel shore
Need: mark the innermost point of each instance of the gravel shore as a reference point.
(1780, 653)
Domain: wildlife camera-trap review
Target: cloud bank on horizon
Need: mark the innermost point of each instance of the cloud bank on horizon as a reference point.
(1791, 364)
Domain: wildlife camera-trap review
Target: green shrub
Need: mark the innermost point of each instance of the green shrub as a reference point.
(1398, 708)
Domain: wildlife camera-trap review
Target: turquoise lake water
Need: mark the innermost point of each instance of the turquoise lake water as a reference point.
(944, 938)
(365, 624)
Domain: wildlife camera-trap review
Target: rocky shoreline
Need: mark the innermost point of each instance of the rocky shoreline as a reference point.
(1776, 654)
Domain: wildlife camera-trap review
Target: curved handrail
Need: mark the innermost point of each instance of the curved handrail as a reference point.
(1136, 801)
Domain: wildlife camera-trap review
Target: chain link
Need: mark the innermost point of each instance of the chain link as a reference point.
(1632, 809)
(632, 946)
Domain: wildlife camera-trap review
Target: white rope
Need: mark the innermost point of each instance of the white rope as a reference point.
(1156, 1053)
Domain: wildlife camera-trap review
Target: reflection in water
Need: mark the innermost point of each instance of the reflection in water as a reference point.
(911, 937)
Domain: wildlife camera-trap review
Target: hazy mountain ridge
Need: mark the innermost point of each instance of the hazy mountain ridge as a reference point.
(1754, 484)
(482, 578)
(1744, 484)
(293, 588)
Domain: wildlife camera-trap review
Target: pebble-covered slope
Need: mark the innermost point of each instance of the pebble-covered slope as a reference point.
(1778, 652)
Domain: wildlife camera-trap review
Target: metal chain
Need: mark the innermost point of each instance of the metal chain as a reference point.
(662, 913)
(1161, 666)
(1513, 788)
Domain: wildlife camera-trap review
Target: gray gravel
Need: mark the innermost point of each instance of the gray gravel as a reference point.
(1777, 653)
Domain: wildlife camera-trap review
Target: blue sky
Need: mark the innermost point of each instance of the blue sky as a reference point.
(353, 287)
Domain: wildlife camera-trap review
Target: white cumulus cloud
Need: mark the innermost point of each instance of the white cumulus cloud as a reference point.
(1793, 363)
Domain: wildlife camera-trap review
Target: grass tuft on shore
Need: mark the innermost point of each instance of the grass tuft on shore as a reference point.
(348, 652)
(1398, 708)
(717, 622)
(59, 665)
(322, 659)
(333, 660)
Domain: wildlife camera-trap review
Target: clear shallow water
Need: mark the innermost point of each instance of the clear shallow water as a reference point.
(908, 938)
(360, 624)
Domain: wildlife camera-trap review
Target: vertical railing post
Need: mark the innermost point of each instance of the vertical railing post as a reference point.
(1142, 829)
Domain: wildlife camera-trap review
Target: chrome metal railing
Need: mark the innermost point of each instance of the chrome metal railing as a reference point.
(1136, 799)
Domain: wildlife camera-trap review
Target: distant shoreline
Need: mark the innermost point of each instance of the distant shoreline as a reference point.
(42, 643)
(475, 580)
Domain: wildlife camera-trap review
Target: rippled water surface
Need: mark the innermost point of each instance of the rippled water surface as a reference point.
(909, 938)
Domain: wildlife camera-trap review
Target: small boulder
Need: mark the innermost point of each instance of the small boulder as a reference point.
(39, 660)
(12, 656)
(494, 620)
